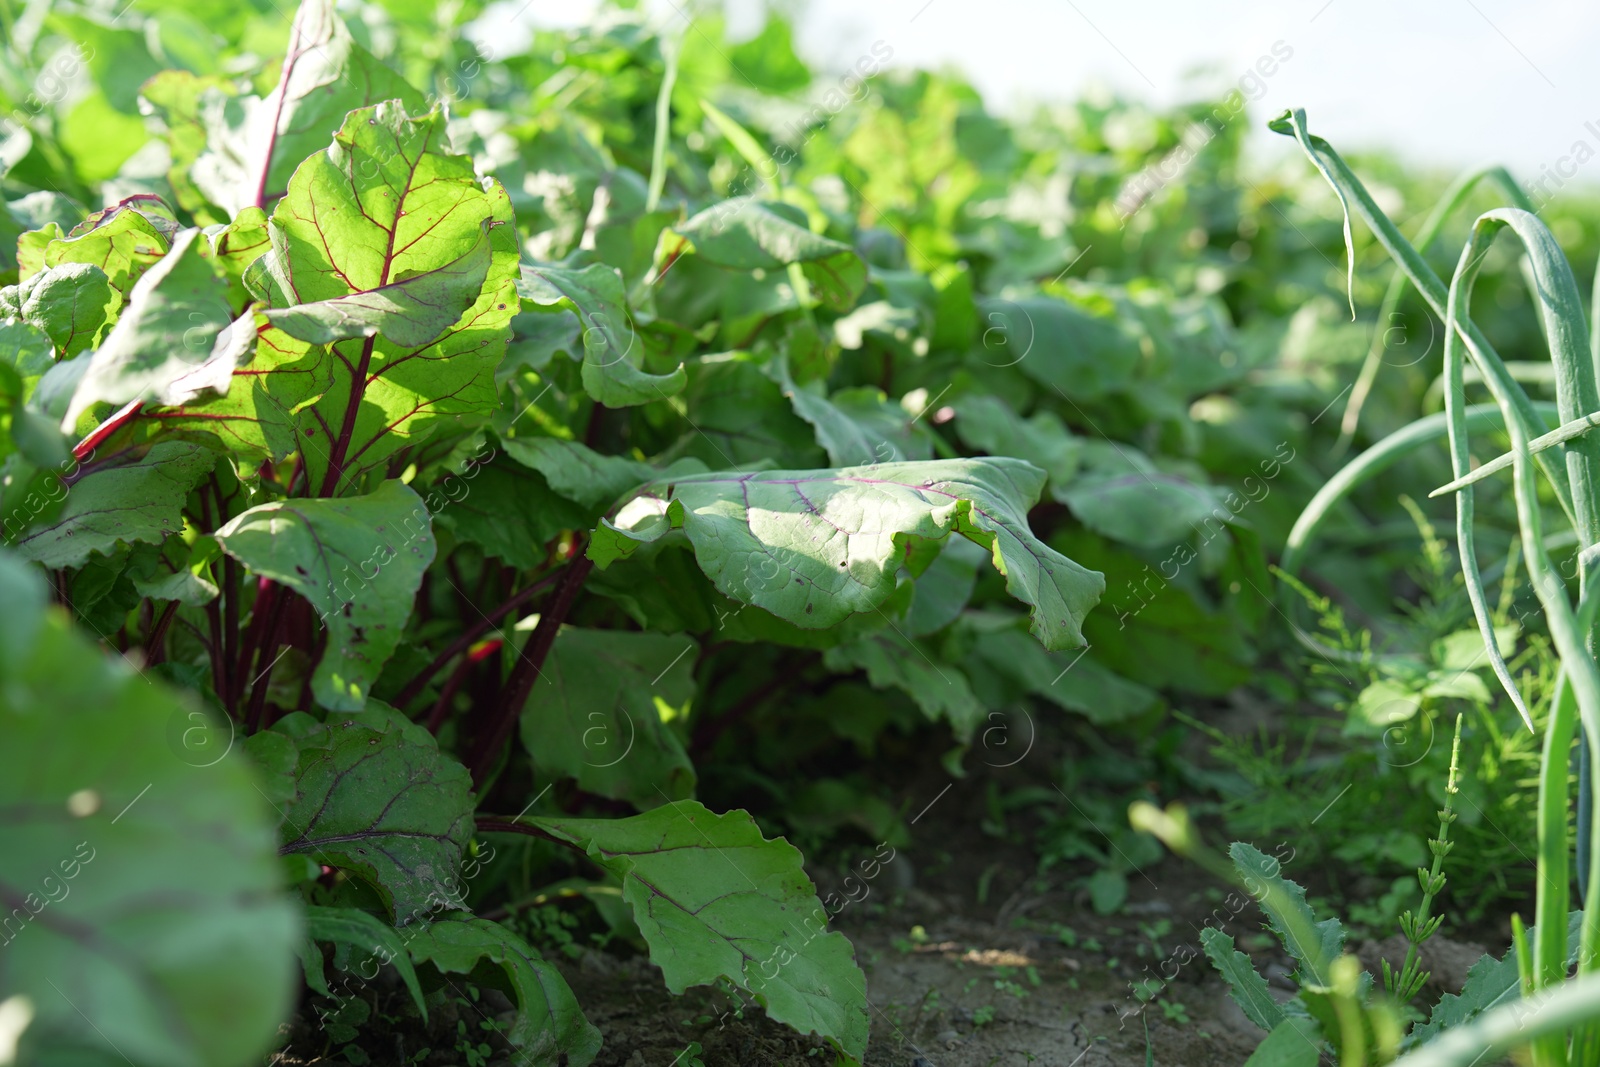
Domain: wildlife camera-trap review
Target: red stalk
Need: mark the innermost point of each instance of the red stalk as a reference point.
(466, 640)
(98, 435)
(529, 665)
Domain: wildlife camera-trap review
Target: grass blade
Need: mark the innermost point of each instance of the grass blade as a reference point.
(745, 144)
(658, 153)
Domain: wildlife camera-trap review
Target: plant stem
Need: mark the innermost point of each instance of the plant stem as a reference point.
(500, 824)
(441, 707)
(219, 673)
(658, 154)
(230, 633)
(470, 637)
(156, 644)
(341, 447)
(1354, 196)
(529, 665)
(269, 646)
(85, 448)
(1448, 203)
(709, 731)
(261, 615)
(1418, 929)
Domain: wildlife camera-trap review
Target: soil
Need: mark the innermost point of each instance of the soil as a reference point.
(972, 959)
(971, 991)
(955, 982)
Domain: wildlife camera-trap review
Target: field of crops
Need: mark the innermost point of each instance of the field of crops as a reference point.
(640, 552)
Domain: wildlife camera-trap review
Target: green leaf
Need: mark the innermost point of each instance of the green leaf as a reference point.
(375, 797)
(1384, 703)
(174, 340)
(987, 424)
(741, 139)
(859, 425)
(183, 586)
(714, 899)
(324, 549)
(140, 500)
(408, 210)
(813, 547)
(747, 234)
(613, 353)
(1490, 983)
(1249, 989)
(71, 303)
(1172, 634)
(1074, 681)
(507, 509)
(1466, 650)
(741, 419)
(144, 909)
(257, 417)
(352, 928)
(1055, 342)
(26, 349)
(25, 358)
(275, 756)
(122, 240)
(39, 209)
(578, 472)
(235, 248)
(1124, 496)
(184, 108)
(939, 688)
(1108, 890)
(411, 312)
(769, 58)
(1293, 1042)
(944, 589)
(550, 1028)
(596, 714)
(255, 144)
(1314, 945)
(1463, 685)
(25, 593)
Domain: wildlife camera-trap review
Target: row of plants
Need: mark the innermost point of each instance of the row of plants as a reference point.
(465, 452)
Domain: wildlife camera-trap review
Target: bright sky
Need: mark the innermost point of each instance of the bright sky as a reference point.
(1452, 82)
